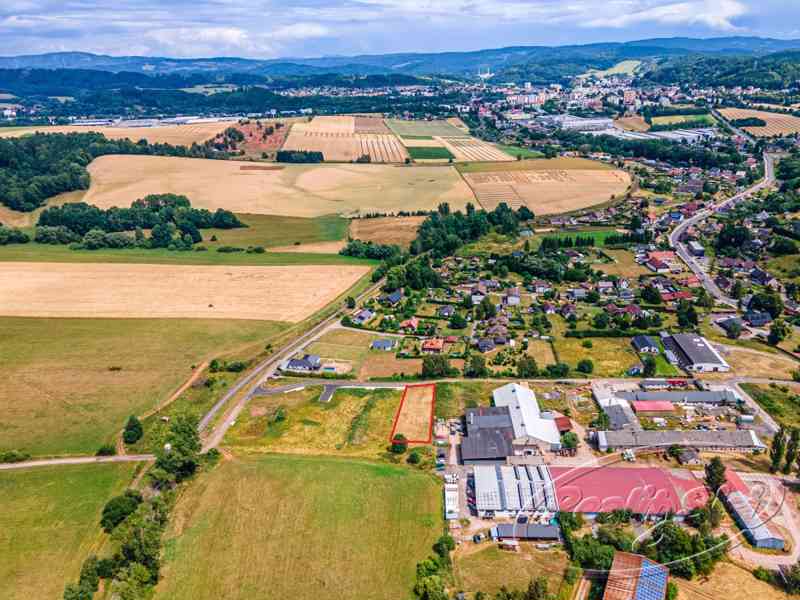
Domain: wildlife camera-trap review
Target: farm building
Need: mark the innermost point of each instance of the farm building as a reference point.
(489, 435)
(564, 424)
(724, 397)
(648, 491)
(526, 531)
(635, 577)
(507, 490)
(695, 353)
(526, 416)
(732, 441)
(653, 408)
(737, 497)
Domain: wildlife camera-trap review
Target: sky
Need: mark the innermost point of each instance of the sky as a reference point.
(311, 28)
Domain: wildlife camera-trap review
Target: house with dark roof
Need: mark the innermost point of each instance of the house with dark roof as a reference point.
(383, 345)
(363, 316)
(392, 299)
(757, 318)
(646, 344)
(446, 311)
(307, 364)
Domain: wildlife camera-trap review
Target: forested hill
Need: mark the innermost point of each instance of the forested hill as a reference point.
(774, 71)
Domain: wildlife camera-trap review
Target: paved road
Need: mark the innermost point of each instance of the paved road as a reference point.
(691, 261)
(76, 460)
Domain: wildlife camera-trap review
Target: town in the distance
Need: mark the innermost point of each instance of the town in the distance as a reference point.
(515, 324)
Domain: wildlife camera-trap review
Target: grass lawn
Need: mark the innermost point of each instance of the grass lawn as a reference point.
(302, 528)
(53, 526)
(491, 243)
(269, 231)
(33, 252)
(542, 352)
(59, 394)
(624, 264)
(598, 235)
(429, 153)
(355, 422)
(453, 398)
(612, 357)
(517, 151)
(487, 568)
(345, 345)
(782, 402)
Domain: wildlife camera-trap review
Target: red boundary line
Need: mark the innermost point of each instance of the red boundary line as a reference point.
(430, 419)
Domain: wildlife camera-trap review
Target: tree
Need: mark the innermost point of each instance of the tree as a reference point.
(118, 508)
(476, 366)
(537, 589)
(687, 315)
(651, 295)
(777, 450)
(792, 450)
(457, 321)
(601, 320)
(399, 444)
(734, 330)
(778, 332)
(527, 367)
(737, 291)
(649, 366)
(435, 365)
(715, 474)
(586, 366)
(180, 455)
(75, 591)
(350, 302)
(133, 431)
(569, 440)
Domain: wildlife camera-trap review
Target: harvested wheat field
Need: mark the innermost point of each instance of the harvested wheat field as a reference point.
(632, 124)
(386, 230)
(170, 291)
(346, 139)
(415, 415)
(777, 124)
(468, 149)
(287, 190)
(547, 192)
(177, 135)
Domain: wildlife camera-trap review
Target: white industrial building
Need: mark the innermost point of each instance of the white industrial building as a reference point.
(502, 490)
(526, 417)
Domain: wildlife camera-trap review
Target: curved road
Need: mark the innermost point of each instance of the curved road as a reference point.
(681, 250)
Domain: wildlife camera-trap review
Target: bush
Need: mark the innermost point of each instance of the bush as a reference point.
(9, 235)
(118, 508)
(586, 366)
(106, 450)
(399, 444)
(14, 456)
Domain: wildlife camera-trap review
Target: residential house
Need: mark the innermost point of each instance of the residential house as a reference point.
(645, 344)
(383, 345)
(433, 346)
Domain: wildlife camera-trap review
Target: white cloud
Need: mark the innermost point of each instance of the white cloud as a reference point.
(718, 14)
(300, 31)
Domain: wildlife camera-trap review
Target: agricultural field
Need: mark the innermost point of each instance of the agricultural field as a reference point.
(753, 363)
(777, 124)
(728, 581)
(346, 139)
(542, 352)
(54, 524)
(167, 291)
(424, 129)
(782, 402)
(563, 187)
(705, 120)
(487, 568)
(81, 378)
(287, 190)
(415, 414)
(279, 233)
(472, 149)
(429, 153)
(177, 135)
(632, 124)
(235, 533)
(386, 230)
(518, 151)
(625, 67)
(353, 423)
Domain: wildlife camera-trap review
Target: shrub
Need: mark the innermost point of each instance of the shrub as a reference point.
(106, 450)
(133, 430)
(118, 508)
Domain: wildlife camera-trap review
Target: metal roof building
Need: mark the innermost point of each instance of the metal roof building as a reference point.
(489, 435)
(525, 414)
(514, 489)
(717, 398)
(740, 440)
(754, 526)
(526, 531)
(695, 353)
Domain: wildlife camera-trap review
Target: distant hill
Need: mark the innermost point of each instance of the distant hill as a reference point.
(773, 71)
(535, 63)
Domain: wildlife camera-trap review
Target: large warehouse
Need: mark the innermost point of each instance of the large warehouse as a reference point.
(695, 353)
(755, 528)
(506, 490)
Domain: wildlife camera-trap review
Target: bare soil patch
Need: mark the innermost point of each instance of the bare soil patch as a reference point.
(295, 190)
(414, 417)
(386, 230)
(170, 291)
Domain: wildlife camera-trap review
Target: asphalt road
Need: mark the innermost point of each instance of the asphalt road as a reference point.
(683, 252)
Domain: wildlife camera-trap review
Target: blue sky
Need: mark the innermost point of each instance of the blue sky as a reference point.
(277, 28)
